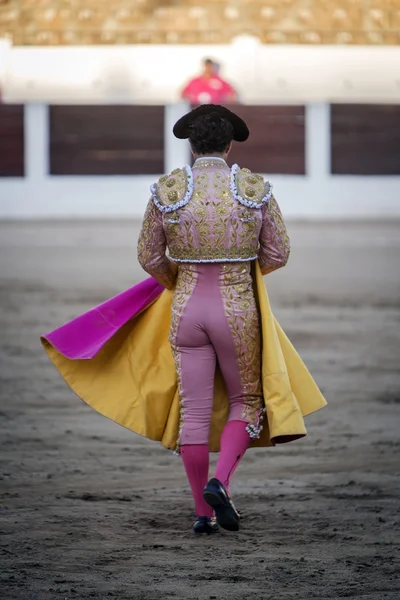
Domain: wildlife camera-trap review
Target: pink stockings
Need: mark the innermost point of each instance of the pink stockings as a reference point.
(234, 443)
(196, 462)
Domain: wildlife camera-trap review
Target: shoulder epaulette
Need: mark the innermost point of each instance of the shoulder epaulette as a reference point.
(249, 188)
(173, 191)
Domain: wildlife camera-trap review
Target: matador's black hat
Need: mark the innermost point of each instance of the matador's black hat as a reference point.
(181, 128)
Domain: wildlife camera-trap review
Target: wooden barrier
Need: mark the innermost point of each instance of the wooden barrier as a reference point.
(11, 140)
(106, 140)
(365, 139)
(277, 139)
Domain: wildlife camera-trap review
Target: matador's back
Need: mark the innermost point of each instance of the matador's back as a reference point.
(213, 213)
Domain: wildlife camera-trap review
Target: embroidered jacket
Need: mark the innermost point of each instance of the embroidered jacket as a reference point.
(211, 214)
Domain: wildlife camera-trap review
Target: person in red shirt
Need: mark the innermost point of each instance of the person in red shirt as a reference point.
(209, 88)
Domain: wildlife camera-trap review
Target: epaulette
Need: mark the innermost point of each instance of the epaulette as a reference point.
(249, 188)
(173, 191)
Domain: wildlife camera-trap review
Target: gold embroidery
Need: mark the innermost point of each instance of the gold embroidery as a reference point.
(172, 196)
(200, 211)
(245, 214)
(276, 253)
(221, 209)
(144, 241)
(257, 190)
(205, 163)
(187, 279)
(182, 253)
(243, 320)
(213, 226)
(280, 228)
(171, 227)
(151, 250)
(177, 180)
(249, 192)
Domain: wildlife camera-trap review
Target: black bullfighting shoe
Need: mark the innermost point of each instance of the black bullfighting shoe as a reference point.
(206, 525)
(216, 495)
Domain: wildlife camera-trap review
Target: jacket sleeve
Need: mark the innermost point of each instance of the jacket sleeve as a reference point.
(152, 245)
(274, 246)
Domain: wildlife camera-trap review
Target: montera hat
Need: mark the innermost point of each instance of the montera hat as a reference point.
(181, 128)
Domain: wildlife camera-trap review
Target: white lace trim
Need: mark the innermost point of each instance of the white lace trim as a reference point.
(177, 451)
(254, 429)
(185, 199)
(249, 203)
(212, 260)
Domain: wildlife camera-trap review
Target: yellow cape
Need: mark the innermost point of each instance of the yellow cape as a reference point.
(132, 380)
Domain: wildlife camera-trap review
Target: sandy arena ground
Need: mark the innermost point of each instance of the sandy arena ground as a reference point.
(90, 510)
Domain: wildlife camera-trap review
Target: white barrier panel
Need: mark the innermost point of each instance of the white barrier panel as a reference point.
(316, 195)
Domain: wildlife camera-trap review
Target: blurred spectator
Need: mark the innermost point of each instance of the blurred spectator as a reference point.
(209, 87)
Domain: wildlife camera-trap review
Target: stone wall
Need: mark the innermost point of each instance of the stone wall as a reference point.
(89, 22)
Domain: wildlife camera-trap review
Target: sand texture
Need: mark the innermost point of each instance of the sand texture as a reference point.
(90, 510)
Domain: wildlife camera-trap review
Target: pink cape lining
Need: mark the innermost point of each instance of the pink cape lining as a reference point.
(83, 337)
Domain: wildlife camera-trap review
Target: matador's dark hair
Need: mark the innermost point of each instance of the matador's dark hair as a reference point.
(210, 133)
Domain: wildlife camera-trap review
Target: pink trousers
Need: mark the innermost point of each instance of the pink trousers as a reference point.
(215, 320)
